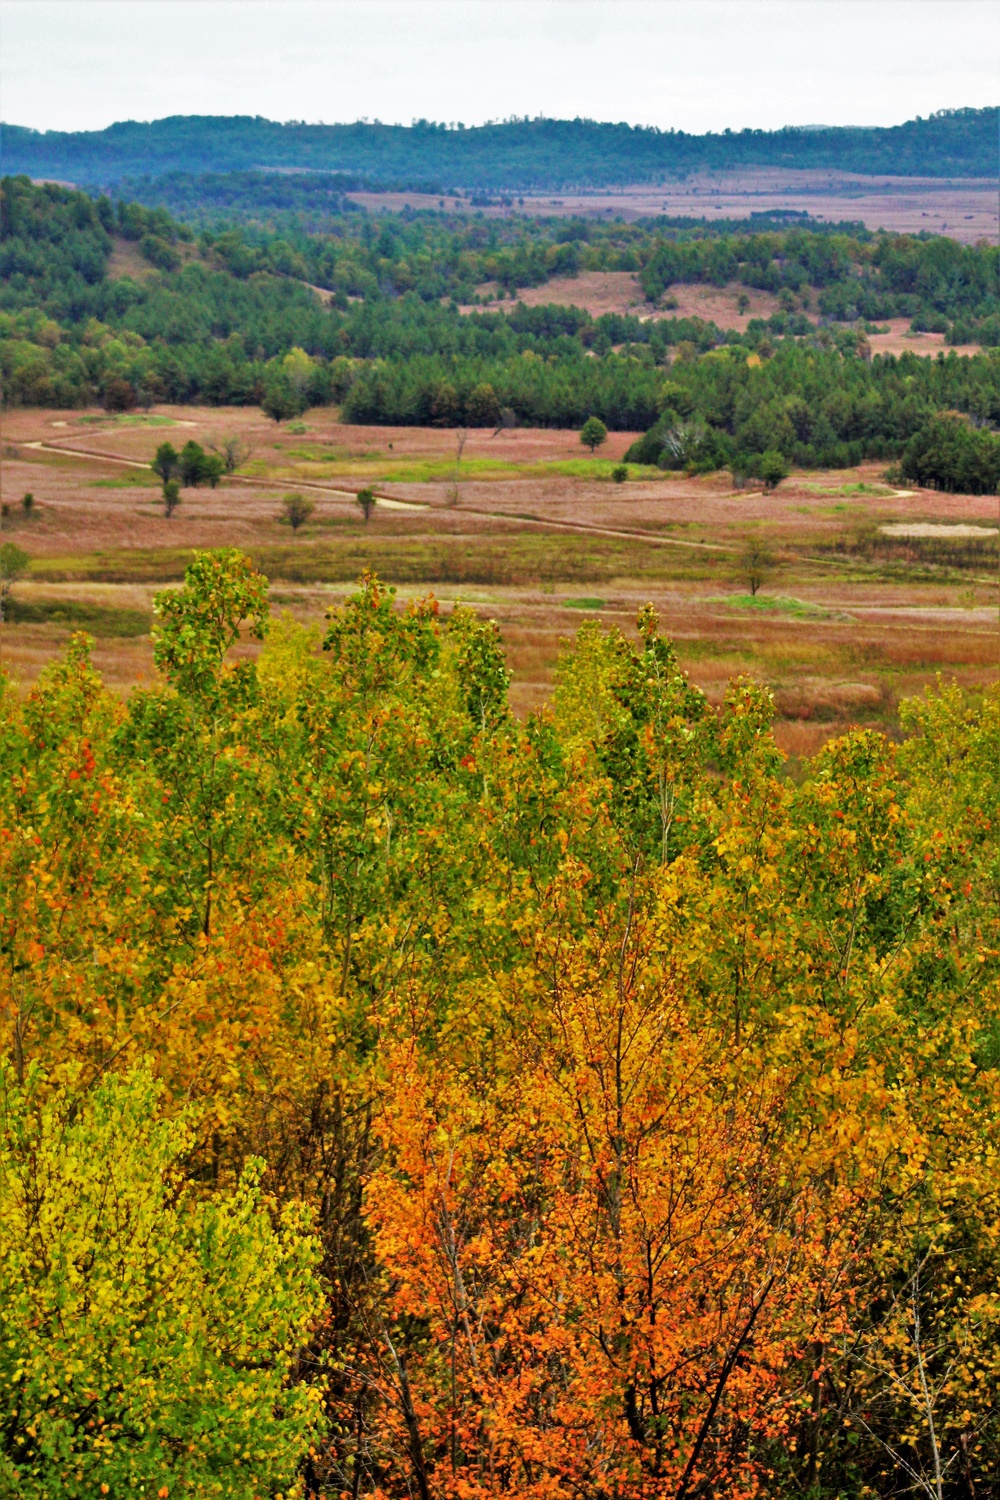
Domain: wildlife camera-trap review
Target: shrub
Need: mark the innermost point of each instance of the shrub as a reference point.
(13, 562)
(297, 509)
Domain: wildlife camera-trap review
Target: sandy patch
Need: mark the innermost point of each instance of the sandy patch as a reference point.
(929, 528)
(599, 292)
(899, 340)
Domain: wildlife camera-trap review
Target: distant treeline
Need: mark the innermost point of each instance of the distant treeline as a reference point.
(517, 154)
(204, 197)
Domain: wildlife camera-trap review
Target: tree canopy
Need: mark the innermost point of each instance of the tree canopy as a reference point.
(437, 1103)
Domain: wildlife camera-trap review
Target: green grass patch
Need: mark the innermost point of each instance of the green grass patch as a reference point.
(125, 420)
(442, 470)
(774, 604)
(848, 489)
(129, 565)
(585, 603)
(141, 479)
(101, 620)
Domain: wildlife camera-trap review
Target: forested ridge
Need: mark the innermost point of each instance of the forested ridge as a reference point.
(515, 154)
(398, 1099)
(231, 315)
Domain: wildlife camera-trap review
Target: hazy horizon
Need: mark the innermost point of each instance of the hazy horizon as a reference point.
(711, 65)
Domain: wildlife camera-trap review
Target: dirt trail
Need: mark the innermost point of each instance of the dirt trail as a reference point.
(305, 484)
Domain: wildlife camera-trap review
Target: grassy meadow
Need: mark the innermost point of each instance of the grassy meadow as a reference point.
(866, 593)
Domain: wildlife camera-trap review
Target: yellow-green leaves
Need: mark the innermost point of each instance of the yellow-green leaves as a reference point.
(149, 1329)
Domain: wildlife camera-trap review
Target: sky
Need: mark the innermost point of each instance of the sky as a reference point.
(695, 65)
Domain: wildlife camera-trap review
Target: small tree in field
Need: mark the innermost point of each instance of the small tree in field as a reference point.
(297, 510)
(171, 496)
(167, 462)
(772, 468)
(593, 433)
(282, 402)
(119, 395)
(13, 562)
(757, 563)
(233, 452)
(366, 503)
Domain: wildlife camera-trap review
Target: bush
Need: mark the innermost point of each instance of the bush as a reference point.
(297, 509)
(13, 562)
(619, 473)
(366, 502)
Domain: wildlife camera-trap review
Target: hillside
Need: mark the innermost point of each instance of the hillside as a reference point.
(516, 154)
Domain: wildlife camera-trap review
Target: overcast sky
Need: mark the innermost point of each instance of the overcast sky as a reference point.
(691, 64)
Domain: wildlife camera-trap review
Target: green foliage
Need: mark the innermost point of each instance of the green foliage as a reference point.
(150, 1334)
(195, 466)
(516, 154)
(297, 510)
(171, 496)
(166, 462)
(222, 594)
(556, 1024)
(281, 401)
(366, 501)
(14, 562)
(950, 454)
(237, 321)
(593, 433)
(772, 468)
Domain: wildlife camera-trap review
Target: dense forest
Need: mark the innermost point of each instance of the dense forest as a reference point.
(401, 1100)
(232, 315)
(515, 154)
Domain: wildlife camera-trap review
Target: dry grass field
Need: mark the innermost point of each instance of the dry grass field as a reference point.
(850, 618)
(965, 209)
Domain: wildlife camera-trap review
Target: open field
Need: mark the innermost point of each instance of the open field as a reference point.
(965, 209)
(852, 617)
